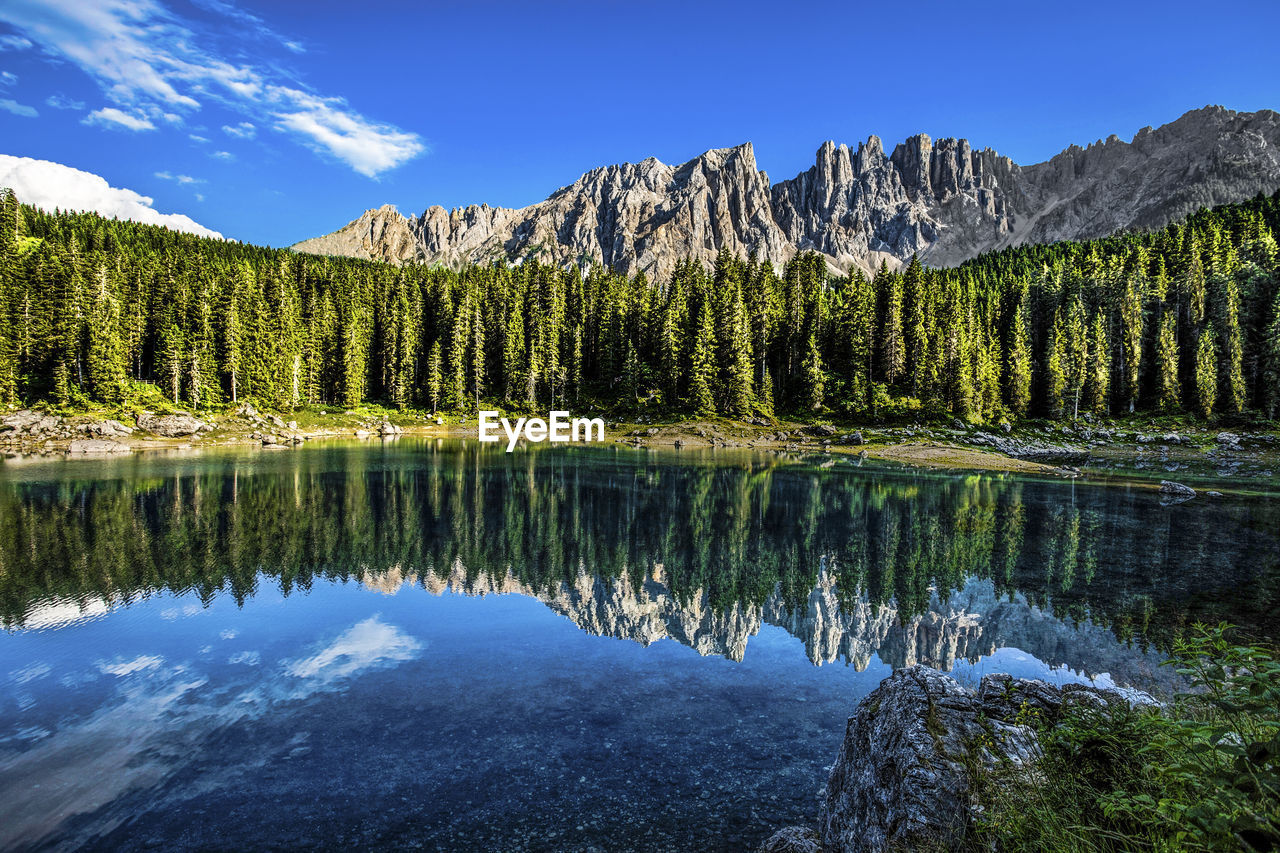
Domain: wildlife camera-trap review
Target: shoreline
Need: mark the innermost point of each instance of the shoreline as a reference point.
(1062, 451)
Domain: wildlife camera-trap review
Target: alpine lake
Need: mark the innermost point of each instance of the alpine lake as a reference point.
(436, 644)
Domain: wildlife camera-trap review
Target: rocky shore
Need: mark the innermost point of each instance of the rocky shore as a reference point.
(1058, 450)
(916, 752)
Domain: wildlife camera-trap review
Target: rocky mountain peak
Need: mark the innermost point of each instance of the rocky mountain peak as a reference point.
(943, 200)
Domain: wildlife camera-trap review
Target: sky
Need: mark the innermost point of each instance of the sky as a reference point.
(271, 122)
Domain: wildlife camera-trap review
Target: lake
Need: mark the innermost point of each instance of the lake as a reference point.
(425, 644)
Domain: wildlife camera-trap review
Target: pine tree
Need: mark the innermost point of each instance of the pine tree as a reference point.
(1166, 370)
(1206, 372)
(738, 397)
(701, 368)
(434, 377)
(815, 377)
(1017, 366)
(1098, 378)
(889, 344)
(477, 371)
(1131, 335)
(915, 338)
(1271, 361)
(108, 370)
(1056, 366)
(1231, 388)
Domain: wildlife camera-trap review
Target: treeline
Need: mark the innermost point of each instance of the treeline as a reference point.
(724, 536)
(1184, 319)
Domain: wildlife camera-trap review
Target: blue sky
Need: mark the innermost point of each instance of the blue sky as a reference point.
(271, 122)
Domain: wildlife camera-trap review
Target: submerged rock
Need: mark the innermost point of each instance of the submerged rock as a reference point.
(793, 839)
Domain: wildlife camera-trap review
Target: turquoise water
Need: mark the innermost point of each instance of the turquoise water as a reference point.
(425, 644)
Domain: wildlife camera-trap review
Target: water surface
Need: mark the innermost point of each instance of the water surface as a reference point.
(426, 644)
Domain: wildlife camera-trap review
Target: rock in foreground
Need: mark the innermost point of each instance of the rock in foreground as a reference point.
(904, 779)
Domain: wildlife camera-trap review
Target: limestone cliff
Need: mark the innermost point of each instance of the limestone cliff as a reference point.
(943, 200)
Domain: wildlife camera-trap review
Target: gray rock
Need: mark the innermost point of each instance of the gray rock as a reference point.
(292, 425)
(276, 421)
(172, 426)
(97, 445)
(246, 410)
(1168, 487)
(792, 839)
(388, 428)
(1006, 427)
(822, 429)
(107, 428)
(901, 780)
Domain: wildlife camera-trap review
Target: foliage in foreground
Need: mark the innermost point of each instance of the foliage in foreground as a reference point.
(1202, 775)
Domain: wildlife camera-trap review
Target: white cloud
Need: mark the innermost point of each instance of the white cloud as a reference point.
(197, 138)
(8, 78)
(294, 46)
(12, 42)
(368, 148)
(62, 102)
(48, 185)
(181, 179)
(223, 155)
(10, 105)
(364, 645)
(112, 117)
(244, 130)
(142, 54)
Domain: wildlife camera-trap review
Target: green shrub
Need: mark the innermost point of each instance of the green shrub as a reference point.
(1201, 774)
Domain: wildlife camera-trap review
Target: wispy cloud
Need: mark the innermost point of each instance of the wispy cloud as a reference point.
(12, 106)
(62, 102)
(223, 155)
(48, 185)
(12, 42)
(180, 179)
(154, 65)
(243, 130)
(112, 117)
(8, 78)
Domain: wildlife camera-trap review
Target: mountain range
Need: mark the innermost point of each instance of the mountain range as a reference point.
(944, 201)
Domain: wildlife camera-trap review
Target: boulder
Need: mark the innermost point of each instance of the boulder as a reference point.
(246, 410)
(822, 429)
(903, 779)
(388, 428)
(276, 421)
(97, 445)
(172, 426)
(1168, 487)
(793, 839)
(107, 428)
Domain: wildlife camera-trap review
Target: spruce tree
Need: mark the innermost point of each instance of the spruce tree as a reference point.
(701, 366)
(1098, 380)
(1206, 377)
(435, 379)
(915, 338)
(815, 377)
(889, 343)
(1167, 397)
(1017, 365)
(1231, 387)
(1271, 361)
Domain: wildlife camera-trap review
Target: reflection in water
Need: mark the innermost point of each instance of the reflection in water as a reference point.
(641, 546)
(195, 641)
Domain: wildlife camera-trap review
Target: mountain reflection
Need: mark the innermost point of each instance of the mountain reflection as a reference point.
(908, 566)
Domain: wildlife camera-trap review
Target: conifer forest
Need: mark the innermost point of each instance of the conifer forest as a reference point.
(1183, 320)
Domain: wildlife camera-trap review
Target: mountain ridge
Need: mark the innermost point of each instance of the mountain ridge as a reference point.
(942, 200)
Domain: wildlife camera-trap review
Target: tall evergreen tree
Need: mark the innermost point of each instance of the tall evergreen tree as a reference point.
(1206, 376)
